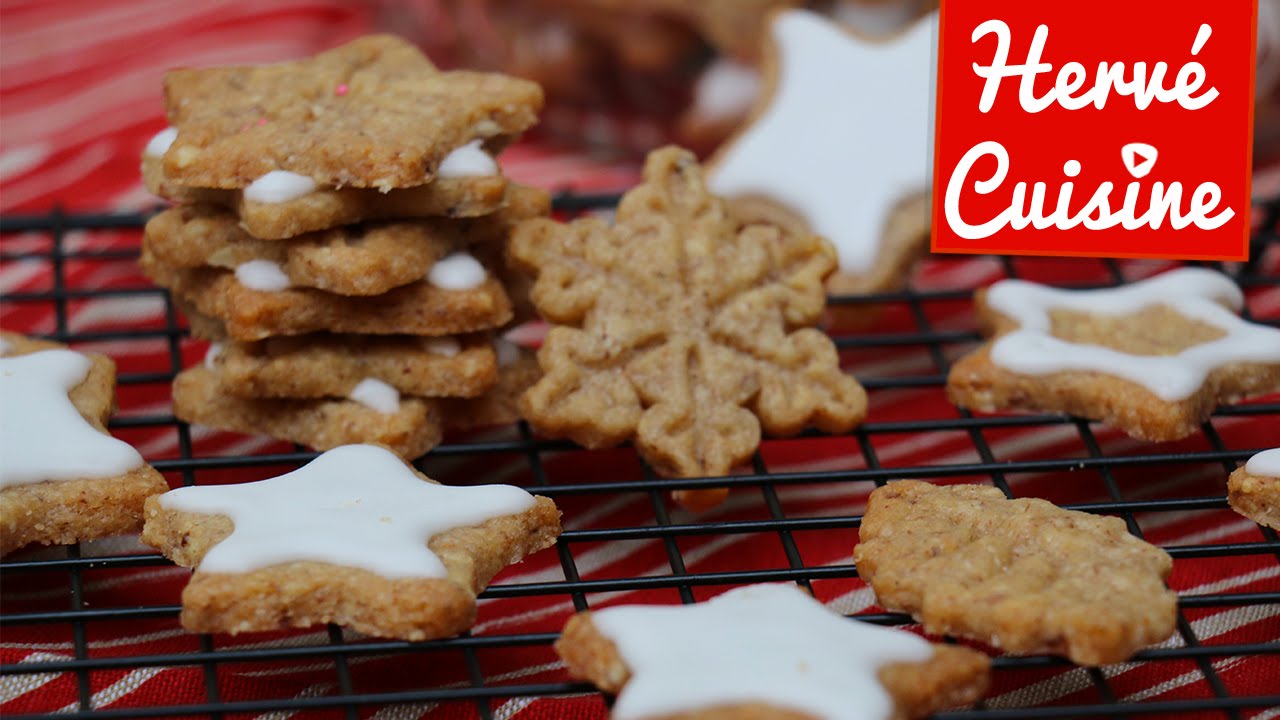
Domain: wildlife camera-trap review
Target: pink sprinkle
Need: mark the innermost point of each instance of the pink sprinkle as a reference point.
(341, 90)
(262, 121)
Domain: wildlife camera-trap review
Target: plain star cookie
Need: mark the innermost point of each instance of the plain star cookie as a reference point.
(63, 478)
(1254, 489)
(356, 537)
(1021, 575)
(680, 330)
(852, 166)
(1153, 358)
(764, 651)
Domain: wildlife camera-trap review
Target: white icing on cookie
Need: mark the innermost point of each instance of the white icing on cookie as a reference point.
(5, 346)
(376, 395)
(457, 271)
(768, 644)
(446, 346)
(1195, 293)
(159, 144)
(1265, 463)
(355, 506)
(839, 156)
(42, 434)
(508, 352)
(726, 89)
(279, 186)
(262, 275)
(210, 355)
(470, 160)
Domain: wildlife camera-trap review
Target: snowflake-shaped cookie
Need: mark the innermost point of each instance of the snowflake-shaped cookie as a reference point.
(677, 328)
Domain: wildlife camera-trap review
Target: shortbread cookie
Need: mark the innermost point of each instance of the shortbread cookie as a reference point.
(1022, 575)
(499, 405)
(323, 365)
(1153, 358)
(678, 329)
(356, 538)
(374, 113)
(420, 308)
(352, 260)
(1254, 490)
(764, 651)
(375, 413)
(63, 478)
(859, 182)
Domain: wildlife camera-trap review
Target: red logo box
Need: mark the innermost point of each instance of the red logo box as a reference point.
(1023, 169)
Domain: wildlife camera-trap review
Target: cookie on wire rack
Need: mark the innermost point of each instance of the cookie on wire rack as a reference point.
(1254, 489)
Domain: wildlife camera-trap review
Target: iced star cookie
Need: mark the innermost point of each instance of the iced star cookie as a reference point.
(1254, 489)
(1022, 575)
(852, 166)
(63, 478)
(373, 412)
(681, 330)
(764, 651)
(374, 113)
(257, 300)
(1152, 358)
(356, 538)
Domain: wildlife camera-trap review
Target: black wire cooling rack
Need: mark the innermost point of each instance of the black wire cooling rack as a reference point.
(44, 239)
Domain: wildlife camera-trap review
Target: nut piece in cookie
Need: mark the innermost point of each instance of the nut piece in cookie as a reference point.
(681, 330)
(1254, 490)
(1022, 575)
(764, 651)
(63, 477)
(356, 538)
(374, 113)
(1152, 358)
(851, 166)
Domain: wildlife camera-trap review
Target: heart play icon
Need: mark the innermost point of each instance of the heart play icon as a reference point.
(1139, 158)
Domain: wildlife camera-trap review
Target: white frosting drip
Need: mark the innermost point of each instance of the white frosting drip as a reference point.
(841, 160)
(508, 352)
(262, 275)
(355, 506)
(376, 395)
(42, 435)
(457, 271)
(215, 349)
(446, 346)
(470, 160)
(279, 186)
(1265, 463)
(763, 643)
(159, 144)
(1195, 293)
(726, 90)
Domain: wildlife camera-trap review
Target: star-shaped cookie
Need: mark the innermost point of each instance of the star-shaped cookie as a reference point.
(1254, 488)
(372, 113)
(356, 537)
(849, 161)
(764, 651)
(1152, 358)
(1023, 575)
(680, 329)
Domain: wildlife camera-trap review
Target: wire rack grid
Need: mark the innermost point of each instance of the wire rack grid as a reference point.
(923, 346)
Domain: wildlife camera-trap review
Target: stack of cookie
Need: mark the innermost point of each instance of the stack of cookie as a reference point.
(339, 238)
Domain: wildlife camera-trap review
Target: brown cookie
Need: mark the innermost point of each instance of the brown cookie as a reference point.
(681, 330)
(499, 405)
(374, 113)
(764, 651)
(54, 491)
(314, 546)
(1022, 575)
(734, 27)
(1153, 358)
(1254, 489)
(419, 308)
(410, 431)
(323, 365)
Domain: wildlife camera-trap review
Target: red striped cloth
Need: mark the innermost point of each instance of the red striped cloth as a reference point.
(80, 83)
